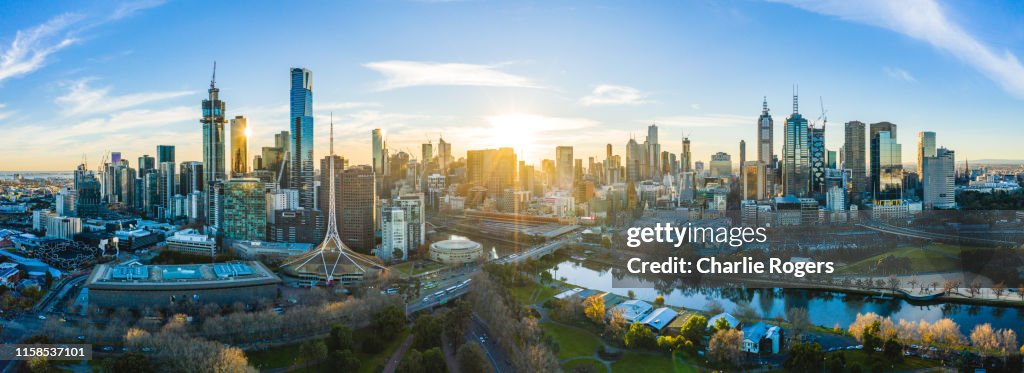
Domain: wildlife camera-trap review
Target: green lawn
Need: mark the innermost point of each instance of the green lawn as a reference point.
(598, 366)
(369, 363)
(934, 257)
(572, 342)
(283, 356)
(532, 293)
(867, 361)
(645, 362)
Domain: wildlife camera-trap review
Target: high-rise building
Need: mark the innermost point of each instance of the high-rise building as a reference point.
(721, 165)
(817, 158)
(147, 164)
(88, 201)
(444, 156)
(305, 226)
(564, 167)
(301, 148)
(245, 210)
(167, 188)
(164, 153)
(795, 154)
(755, 180)
(855, 156)
(394, 242)
(274, 161)
(835, 185)
(239, 146)
(190, 177)
(743, 159)
(213, 144)
(765, 131)
(494, 169)
(653, 153)
(324, 197)
(359, 208)
(687, 157)
(939, 180)
(415, 222)
(427, 152)
(634, 161)
(925, 148)
(380, 152)
(886, 163)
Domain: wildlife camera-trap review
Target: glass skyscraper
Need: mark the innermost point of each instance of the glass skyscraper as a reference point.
(245, 210)
(301, 121)
(886, 163)
(795, 154)
(853, 156)
(213, 144)
(816, 140)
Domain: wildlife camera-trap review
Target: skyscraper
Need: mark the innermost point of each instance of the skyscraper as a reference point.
(687, 157)
(653, 153)
(939, 173)
(854, 156)
(213, 142)
(925, 148)
(359, 208)
(444, 155)
(324, 199)
(494, 169)
(564, 167)
(886, 163)
(427, 153)
(817, 158)
(755, 180)
(164, 153)
(765, 129)
(245, 210)
(301, 120)
(146, 165)
(743, 159)
(795, 154)
(239, 146)
(721, 165)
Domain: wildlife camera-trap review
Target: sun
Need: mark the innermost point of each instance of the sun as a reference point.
(518, 131)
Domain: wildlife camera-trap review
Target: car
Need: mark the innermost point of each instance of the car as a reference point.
(147, 349)
(426, 299)
(482, 339)
(42, 317)
(108, 348)
(80, 338)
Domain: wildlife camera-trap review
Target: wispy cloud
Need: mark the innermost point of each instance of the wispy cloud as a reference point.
(30, 48)
(403, 74)
(131, 8)
(927, 21)
(3, 113)
(898, 74)
(83, 99)
(608, 94)
(701, 121)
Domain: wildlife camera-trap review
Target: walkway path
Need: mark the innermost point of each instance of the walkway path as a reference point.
(396, 358)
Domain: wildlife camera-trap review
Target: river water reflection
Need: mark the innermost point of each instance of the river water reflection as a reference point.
(824, 307)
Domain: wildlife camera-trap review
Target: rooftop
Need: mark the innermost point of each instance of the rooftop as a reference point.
(232, 274)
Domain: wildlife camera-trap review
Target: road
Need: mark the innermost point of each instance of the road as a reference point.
(477, 333)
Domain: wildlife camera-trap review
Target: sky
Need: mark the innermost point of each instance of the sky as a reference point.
(81, 79)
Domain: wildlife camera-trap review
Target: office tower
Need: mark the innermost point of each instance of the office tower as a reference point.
(835, 182)
(415, 222)
(213, 150)
(444, 155)
(324, 197)
(88, 200)
(359, 206)
(564, 166)
(126, 179)
(239, 146)
(795, 154)
(115, 157)
(190, 177)
(245, 210)
(830, 159)
(634, 160)
(817, 158)
(151, 193)
(939, 179)
(283, 141)
(274, 161)
(755, 180)
(257, 162)
(886, 163)
(765, 131)
(925, 148)
(167, 188)
(854, 156)
(687, 158)
(653, 153)
(526, 177)
(305, 226)
(380, 152)
(494, 169)
(721, 165)
(146, 165)
(64, 228)
(743, 159)
(301, 120)
(164, 153)
(394, 243)
(547, 167)
(427, 153)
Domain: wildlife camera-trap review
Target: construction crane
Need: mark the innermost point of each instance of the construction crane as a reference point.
(824, 114)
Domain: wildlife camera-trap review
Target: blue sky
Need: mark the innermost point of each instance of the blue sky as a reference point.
(90, 77)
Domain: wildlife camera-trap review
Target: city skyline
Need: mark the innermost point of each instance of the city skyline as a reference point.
(92, 93)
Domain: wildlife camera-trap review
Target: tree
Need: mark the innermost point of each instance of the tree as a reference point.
(631, 294)
(312, 352)
(1007, 340)
(593, 308)
(999, 289)
(892, 350)
(671, 343)
(427, 332)
(726, 346)
(456, 321)
(433, 361)
(694, 329)
(722, 324)
(984, 339)
(659, 301)
(836, 362)
(41, 365)
(412, 362)
(805, 357)
(344, 361)
(714, 307)
(132, 362)
(340, 338)
(799, 319)
(616, 324)
(389, 322)
(471, 358)
(639, 336)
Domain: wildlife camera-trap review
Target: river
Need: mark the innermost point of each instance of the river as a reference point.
(824, 307)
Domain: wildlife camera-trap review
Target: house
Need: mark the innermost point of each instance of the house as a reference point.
(761, 338)
(568, 293)
(9, 274)
(732, 320)
(633, 310)
(660, 318)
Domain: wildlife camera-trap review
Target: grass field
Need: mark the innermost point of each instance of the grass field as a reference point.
(929, 258)
(598, 366)
(572, 341)
(641, 362)
(867, 361)
(532, 293)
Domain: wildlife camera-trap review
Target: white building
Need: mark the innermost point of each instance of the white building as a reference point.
(761, 338)
(633, 310)
(63, 227)
(938, 178)
(190, 241)
(393, 234)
